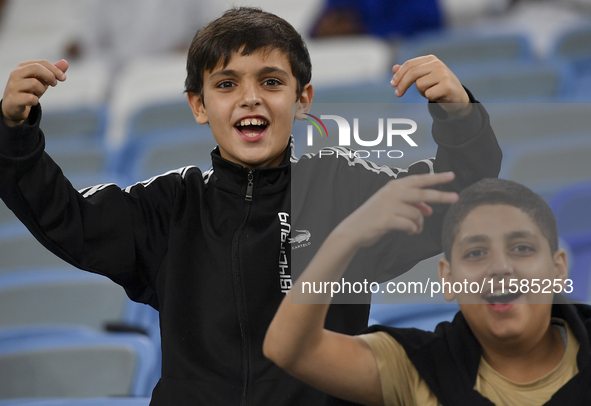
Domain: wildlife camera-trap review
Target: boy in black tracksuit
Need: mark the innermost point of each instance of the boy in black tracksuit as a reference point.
(210, 251)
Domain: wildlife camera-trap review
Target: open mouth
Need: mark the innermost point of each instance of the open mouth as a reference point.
(252, 127)
(498, 297)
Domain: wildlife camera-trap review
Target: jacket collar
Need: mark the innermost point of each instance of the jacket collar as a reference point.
(233, 178)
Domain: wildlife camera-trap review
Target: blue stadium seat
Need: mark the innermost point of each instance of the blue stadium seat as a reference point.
(528, 123)
(87, 123)
(20, 250)
(467, 46)
(571, 207)
(575, 46)
(548, 165)
(113, 401)
(517, 81)
(164, 151)
(421, 316)
(76, 365)
(59, 296)
(375, 91)
(147, 318)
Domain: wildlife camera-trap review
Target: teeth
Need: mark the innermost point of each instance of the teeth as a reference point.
(252, 121)
(496, 293)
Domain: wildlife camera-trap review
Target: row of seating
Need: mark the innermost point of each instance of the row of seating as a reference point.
(68, 333)
(107, 401)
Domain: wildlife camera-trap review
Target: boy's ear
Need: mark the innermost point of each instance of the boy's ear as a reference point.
(198, 107)
(561, 264)
(304, 102)
(307, 94)
(445, 273)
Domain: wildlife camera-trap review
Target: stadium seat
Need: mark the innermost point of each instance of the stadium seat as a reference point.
(147, 90)
(355, 59)
(20, 250)
(517, 81)
(146, 318)
(161, 152)
(516, 123)
(422, 316)
(113, 401)
(571, 208)
(412, 308)
(549, 165)
(374, 91)
(467, 46)
(59, 297)
(7, 217)
(76, 365)
(575, 46)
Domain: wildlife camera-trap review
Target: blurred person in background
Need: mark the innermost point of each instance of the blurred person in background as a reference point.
(116, 31)
(541, 20)
(392, 19)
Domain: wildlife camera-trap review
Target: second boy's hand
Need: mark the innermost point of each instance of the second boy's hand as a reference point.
(401, 204)
(434, 81)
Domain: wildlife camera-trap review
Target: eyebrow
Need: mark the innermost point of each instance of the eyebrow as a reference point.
(511, 236)
(225, 72)
(521, 234)
(272, 69)
(263, 71)
(473, 239)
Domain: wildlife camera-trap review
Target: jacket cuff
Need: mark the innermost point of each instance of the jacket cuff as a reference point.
(457, 131)
(20, 140)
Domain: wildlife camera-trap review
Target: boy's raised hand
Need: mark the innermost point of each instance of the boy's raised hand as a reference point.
(26, 84)
(434, 81)
(401, 204)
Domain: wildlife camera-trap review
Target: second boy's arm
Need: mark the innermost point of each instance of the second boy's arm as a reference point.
(338, 364)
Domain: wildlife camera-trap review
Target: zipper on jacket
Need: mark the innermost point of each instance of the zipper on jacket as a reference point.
(239, 291)
(250, 178)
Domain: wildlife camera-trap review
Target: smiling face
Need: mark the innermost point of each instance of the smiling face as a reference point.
(249, 104)
(495, 243)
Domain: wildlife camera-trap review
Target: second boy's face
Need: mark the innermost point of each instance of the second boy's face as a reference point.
(494, 245)
(249, 105)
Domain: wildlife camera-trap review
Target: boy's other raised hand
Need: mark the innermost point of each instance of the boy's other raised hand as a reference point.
(434, 81)
(401, 204)
(26, 84)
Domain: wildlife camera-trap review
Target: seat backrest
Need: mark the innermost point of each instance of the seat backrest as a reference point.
(549, 165)
(71, 365)
(467, 46)
(532, 122)
(123, 401)
(163, 152)
(19, 249)
(571, 207)
(573, 43)
(59, 296)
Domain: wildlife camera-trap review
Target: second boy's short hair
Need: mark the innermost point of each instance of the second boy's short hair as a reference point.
(245, 29)
(499, 191)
